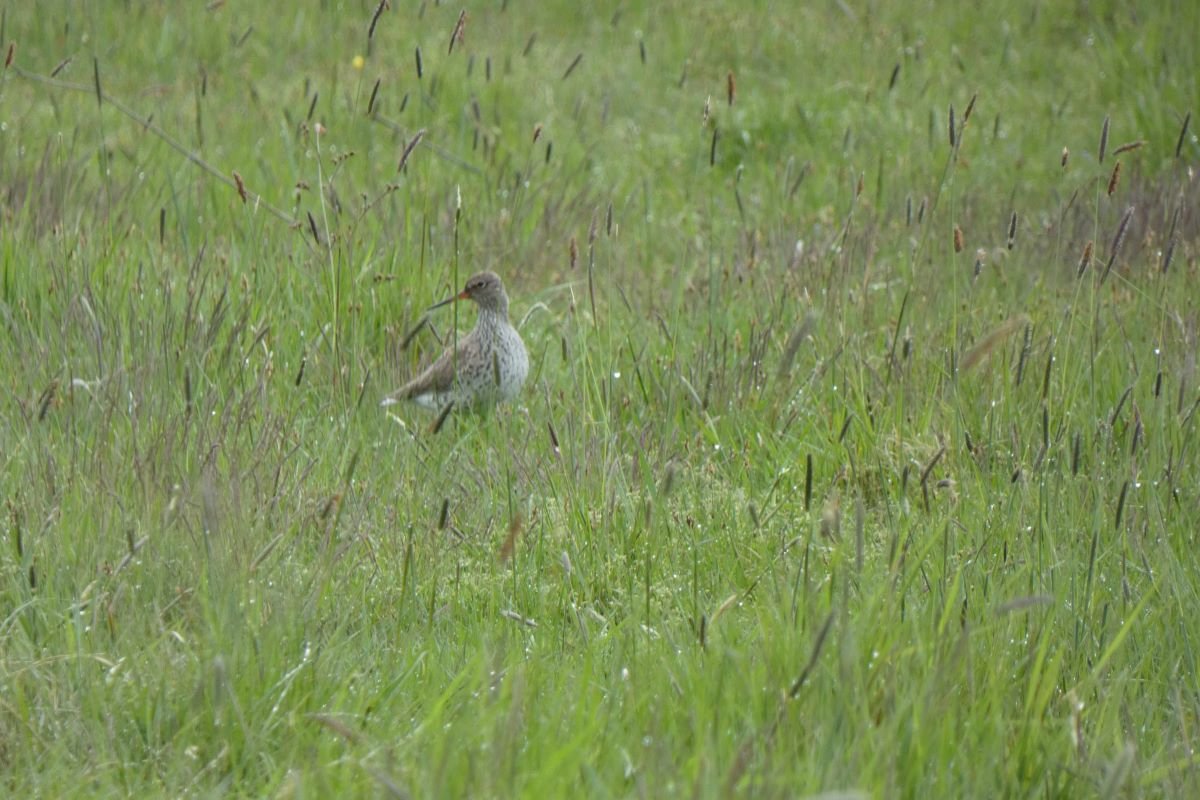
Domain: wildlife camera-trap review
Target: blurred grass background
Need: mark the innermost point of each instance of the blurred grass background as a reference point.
(858, 451)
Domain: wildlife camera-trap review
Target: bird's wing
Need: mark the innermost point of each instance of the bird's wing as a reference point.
(438, 377)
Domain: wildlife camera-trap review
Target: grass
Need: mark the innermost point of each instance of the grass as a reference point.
(839, 468)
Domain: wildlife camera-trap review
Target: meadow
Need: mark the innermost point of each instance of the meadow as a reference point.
(858, 455)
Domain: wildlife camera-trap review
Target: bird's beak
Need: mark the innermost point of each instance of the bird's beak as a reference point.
(460, 296)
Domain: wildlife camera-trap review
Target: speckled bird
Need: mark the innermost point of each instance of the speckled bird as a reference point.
(488, 365)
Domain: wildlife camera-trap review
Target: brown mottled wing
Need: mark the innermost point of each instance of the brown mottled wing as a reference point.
(438, 377)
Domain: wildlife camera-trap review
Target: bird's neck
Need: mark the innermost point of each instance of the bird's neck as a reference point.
(492, 318)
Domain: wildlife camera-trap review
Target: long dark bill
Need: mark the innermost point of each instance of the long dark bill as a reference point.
(460, 296)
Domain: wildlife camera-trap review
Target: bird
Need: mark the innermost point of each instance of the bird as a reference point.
(487, 366)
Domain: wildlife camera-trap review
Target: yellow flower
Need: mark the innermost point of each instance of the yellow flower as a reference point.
(359, 62)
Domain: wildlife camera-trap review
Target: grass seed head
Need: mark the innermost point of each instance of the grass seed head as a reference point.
(970, 108)
(1182, 134)
(1168, 256)
(1114, 179)
(1118, 240)
(1086, 258)
(241, 185)
(459, 32)
(379, 9)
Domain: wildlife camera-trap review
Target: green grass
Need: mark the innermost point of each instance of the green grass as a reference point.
(805, 499)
